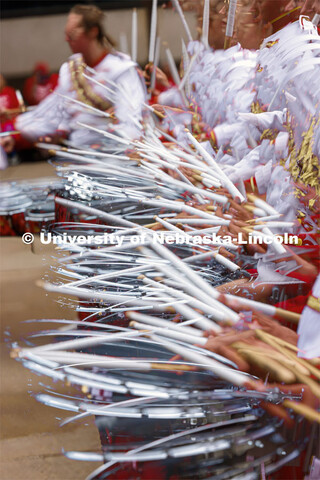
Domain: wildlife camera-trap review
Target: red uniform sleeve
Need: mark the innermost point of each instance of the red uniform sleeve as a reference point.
(54, 80)
(21, 142)
(10, 100)
(27, 92)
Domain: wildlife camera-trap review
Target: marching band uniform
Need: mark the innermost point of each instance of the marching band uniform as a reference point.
(37, 87)
(227, 87)
(8, 101)
(223, 85)
(119, 86)
(309, 325)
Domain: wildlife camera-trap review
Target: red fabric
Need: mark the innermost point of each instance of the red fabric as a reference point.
(41, 67)
(12, 225)
(295, 304)
(34, 92)
(292, 471)
(307, 239)
(8, 98)
(21, 142)
(159, 88)
(102, 56)
(8, 101)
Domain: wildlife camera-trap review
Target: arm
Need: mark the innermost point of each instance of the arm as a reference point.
(49, 115)
(128, 102)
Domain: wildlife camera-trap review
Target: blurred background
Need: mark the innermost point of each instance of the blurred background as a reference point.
(33, 32)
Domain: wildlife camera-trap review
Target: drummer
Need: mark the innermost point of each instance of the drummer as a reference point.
(120, 89)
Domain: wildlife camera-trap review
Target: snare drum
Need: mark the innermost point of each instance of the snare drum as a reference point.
(13, 204)
(40, 217)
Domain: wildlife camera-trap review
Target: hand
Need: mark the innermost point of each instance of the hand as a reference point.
(161, 77)
(7, 143)
(267, 349)
(3, 112)
(111, 111)
(55, 139)
(230, 336)
(159, 108)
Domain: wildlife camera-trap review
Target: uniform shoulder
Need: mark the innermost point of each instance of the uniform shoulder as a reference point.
(65, 66)
(119, 58)
(117, 63)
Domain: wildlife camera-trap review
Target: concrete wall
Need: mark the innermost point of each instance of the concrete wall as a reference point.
(24, 41)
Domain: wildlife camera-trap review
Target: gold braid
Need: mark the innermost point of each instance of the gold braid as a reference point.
(304, 165)
(83, 88)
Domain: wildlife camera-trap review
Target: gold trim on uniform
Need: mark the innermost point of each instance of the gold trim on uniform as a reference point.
(304, 165)
(83, 88)
(314, 303)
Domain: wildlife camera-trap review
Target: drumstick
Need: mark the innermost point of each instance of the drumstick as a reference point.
(230, 23)
(8, 134)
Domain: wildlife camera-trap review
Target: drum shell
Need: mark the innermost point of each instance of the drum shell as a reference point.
(12, 224)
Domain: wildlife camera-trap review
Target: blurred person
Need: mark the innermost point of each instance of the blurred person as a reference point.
(254, 21)
(93, 55)
(8, 104)
(218, 23)
(281, 12)
(250, 29)
(8, 96)
(246, 26)
(310, 8)
(37, 87)
(270, 16)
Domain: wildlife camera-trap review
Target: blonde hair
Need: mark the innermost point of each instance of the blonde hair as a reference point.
(92, 17)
